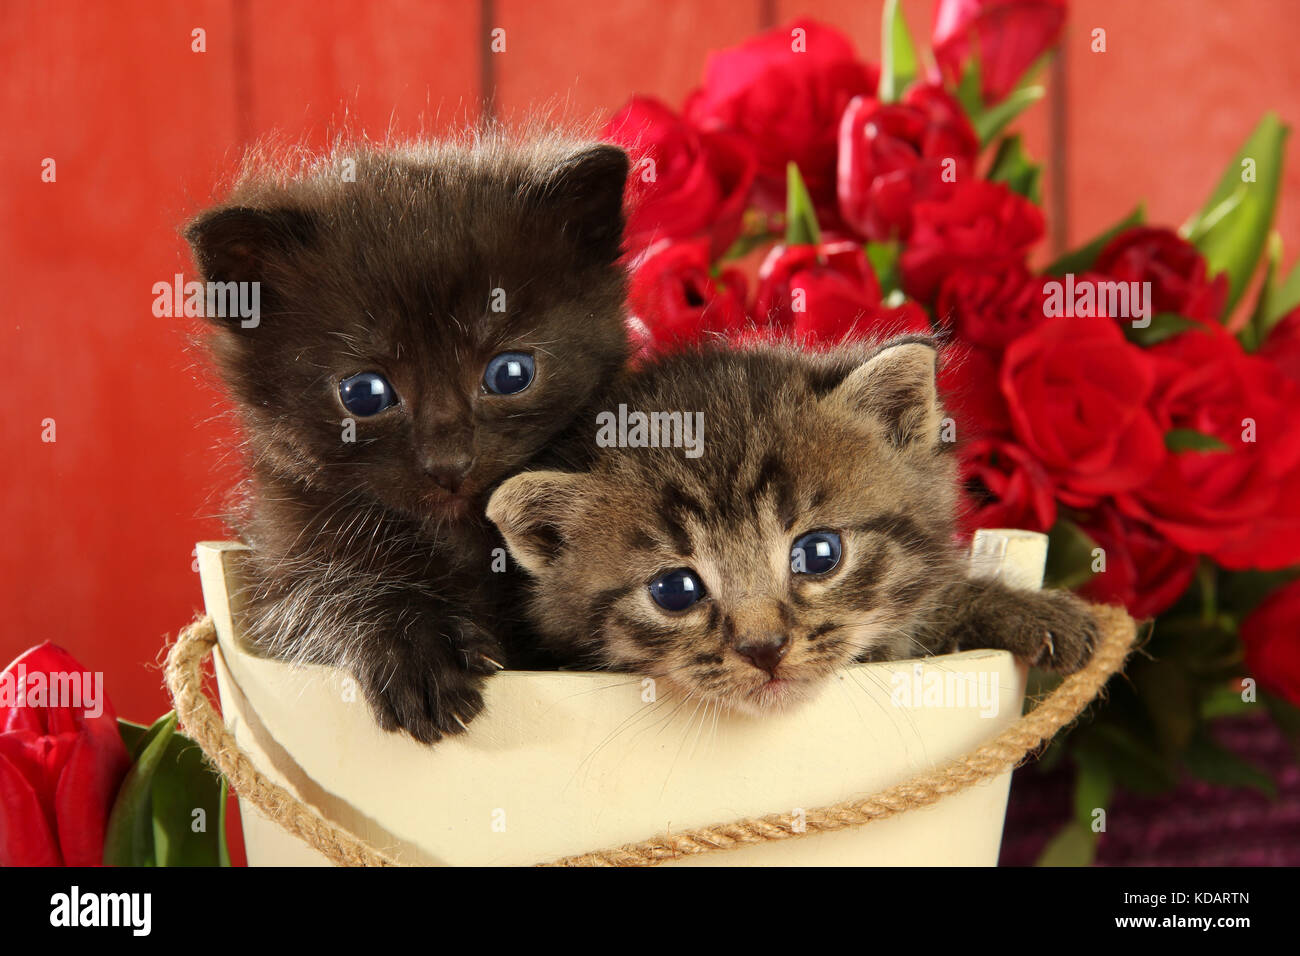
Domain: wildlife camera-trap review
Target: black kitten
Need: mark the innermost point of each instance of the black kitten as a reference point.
(429, 318)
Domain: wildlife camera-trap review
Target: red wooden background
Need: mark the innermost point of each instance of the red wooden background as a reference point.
(101, 523)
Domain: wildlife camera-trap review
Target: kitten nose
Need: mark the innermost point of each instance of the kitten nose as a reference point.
(448, 473)
(765, 652)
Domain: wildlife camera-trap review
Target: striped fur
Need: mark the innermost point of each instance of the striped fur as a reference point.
(846, 440)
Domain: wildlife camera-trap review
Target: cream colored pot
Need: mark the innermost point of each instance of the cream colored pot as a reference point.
(560, 763)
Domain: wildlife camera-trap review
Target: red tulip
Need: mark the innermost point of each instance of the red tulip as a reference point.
(892, 155)
(61, 761)
(1010, 35)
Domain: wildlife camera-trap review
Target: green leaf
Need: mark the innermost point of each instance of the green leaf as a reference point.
(968, 91)
(223, 851)
(1013, 167)
(1074, 845)
(188, 809)
(1069, 556)
(1253, 333)
(989, 121)
(1081, 259)
(1163, 325)
(154, 818)
(1092, 788)
(995, 119)
(744, 245)
(1225, 701)
(132, 734)
(898, 64)
(128, 840)
(1189, 439)
(1233, 225)
(1208, 761)
(1196, 230)
(800, 215)
(883, 257)
(1276, 299)
(1284, 299)
(1040, 64)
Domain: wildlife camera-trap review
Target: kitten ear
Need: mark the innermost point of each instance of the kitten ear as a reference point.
(530, 510)
(896, 387)
(586, 188)
(236, 244)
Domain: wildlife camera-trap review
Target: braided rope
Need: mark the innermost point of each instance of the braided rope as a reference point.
(184, 675)
(993, 758)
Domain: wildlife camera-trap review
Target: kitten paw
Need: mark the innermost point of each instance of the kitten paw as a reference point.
(431, 688)
(1065, 631)
(478, 651)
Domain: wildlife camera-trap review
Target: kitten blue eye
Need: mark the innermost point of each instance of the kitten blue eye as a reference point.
(508, 373)
(676, 590)
(815, 553)
(366, 394)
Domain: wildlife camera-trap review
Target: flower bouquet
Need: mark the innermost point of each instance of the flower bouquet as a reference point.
(1136, 398)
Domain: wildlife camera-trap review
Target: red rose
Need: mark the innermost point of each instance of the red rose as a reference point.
(1005, 487)
(891, 155)
(826, 293)
(1173, 266)
(1270, 543)
(60, 764)
(1010, 35)
(683, 181)
(982, 224)
(1231, 503)
(1144, 572)
(1077, 393)
(1088, 295)
(674, 294)
(1271, 635)
(785, 91)
(1282, 350)
(968, 382)
(832, 277)
(990, 309)
(1282, 347)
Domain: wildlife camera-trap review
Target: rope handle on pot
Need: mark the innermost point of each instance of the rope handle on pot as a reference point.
(1002, 753)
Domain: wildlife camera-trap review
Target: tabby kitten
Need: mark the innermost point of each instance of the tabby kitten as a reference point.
(430, 318)
(814, 530)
